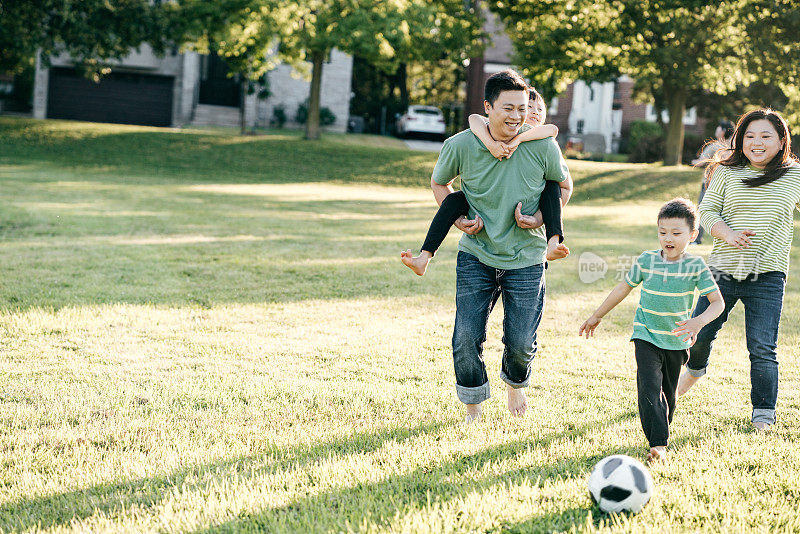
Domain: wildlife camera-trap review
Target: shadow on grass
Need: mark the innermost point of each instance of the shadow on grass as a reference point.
(166, 156)
(637, 184)
(163, 157)
(261, 258)
(380, 502)
(62, 508)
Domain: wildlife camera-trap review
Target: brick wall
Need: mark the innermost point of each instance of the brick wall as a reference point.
(561, 118)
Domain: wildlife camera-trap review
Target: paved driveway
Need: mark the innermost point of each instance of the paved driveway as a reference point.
(425, 146)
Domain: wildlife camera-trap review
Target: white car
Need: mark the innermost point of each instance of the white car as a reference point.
(423, 121)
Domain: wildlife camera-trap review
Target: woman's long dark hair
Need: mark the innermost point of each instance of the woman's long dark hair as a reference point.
(777, 166)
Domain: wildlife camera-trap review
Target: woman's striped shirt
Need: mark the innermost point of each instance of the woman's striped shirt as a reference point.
(767, 210)
(668, 290)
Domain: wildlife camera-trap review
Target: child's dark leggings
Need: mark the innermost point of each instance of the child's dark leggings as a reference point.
(455, 205)
(657, 372)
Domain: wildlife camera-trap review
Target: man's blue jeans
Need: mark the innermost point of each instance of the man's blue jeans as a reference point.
(762, 297)
(478, 287)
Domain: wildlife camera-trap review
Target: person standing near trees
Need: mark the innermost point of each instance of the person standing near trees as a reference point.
(748, 208)
(723, 136)
(502, 251)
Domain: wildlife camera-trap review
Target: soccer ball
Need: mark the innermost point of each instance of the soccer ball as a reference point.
(619, 483)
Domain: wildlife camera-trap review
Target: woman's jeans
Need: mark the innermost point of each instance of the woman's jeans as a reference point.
(478, 287)
(762, 297)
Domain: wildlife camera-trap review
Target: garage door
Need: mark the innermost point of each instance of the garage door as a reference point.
(123, 98)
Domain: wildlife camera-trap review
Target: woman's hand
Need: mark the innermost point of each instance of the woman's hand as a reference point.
(740, 239)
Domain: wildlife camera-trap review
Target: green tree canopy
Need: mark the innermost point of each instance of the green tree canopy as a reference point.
(673, 49)
(383, 32)
(88, 30)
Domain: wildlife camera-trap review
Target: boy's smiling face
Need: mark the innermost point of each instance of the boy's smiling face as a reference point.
(674, 235)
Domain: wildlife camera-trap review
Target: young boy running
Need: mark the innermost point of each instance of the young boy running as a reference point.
(669, 278)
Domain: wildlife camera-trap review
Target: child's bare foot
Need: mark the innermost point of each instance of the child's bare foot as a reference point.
(685, 382)
(557, 252)
(473, 414)
(418, 264)
(517, 403)
(657, 453)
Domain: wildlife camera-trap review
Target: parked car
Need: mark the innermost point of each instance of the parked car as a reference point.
(423, 121)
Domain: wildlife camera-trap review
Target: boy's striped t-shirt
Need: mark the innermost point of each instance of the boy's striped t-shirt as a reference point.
(668, 292)
(766, 209)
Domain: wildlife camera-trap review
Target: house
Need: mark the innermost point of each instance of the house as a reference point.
(182, 89)
(591, 115)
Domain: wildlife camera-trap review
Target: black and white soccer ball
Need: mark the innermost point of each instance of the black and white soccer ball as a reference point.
(619, 483)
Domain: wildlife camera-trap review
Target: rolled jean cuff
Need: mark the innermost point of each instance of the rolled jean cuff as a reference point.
(697, 373)
(474, 395)
(515, 385)
(764, 415)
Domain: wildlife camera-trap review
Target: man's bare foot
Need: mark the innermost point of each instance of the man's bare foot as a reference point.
(517, 403)
(657, 453)
(557, 251)
(761, 426)
(473, 414)
(418, 264)
(685, 382)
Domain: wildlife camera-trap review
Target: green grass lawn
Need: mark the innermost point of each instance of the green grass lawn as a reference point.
(202, 332)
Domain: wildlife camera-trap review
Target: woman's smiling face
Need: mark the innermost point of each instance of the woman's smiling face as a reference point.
(761, 143)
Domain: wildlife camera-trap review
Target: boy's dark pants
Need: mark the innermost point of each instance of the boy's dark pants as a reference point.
(657, 372)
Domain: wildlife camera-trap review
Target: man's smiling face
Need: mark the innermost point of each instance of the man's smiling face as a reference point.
(507, 114)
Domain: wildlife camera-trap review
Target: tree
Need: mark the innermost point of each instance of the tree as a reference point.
(243, 32)
(673, 49)
(430, 63)
(774, 54)
(382, 32)
(90, 30)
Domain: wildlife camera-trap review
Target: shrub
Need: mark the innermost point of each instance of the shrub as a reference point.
(646, 142)
(641, 129)
(691, 147)
(648, 150)
(278, 116)
(326, 116)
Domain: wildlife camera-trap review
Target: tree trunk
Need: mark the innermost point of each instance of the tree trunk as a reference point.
(312, 120)
(676, 106)
(475, 86)
(242, 114)
(401, 80)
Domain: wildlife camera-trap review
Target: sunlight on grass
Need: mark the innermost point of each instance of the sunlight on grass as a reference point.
(201, 341)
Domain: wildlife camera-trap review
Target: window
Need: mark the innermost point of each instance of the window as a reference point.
(689, 116)
(553, 109)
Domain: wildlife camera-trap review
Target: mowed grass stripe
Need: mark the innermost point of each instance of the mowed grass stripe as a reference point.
(198, 336)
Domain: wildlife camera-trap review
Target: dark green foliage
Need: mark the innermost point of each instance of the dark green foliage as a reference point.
(692, 143)
(648, 149)
(326, 116)
(674, 50)
(278, 116)
(643, 129)
(90, 30)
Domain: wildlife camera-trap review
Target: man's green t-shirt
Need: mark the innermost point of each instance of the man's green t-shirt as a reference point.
(494, 187)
